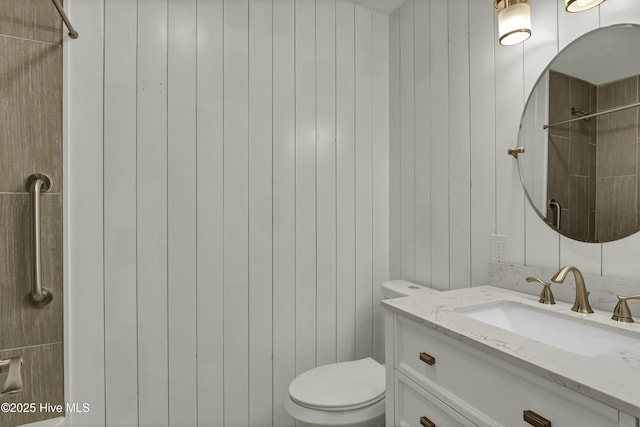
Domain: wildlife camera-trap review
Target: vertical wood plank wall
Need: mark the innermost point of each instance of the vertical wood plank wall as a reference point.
(456, 101)
(238, 152)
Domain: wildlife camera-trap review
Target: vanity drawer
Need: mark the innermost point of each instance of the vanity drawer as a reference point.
(417, 407)
(499, 389)
(416, 355)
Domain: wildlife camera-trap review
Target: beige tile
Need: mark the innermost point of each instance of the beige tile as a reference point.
(23, 325)
(577, 219)
(579, 154)
(592, 226)
(558, 169)
(617, 93)
(616, 207)
(31, 108)
(43, 382)
(617, 144)
(559, 100)
(593, 107)
(580, 99)
(592, 177)
(30, 19)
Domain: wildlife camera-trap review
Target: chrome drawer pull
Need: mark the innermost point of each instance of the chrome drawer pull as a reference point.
(534, 419)
(427, 358)
(426, 422)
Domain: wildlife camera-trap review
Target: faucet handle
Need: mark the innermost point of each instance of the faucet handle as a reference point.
(546, 296)
(13, 383)
(622, 313)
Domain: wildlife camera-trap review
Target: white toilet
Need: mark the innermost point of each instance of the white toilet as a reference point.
(346, 394)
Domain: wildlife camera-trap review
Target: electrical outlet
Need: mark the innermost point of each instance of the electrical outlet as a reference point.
(499, 247)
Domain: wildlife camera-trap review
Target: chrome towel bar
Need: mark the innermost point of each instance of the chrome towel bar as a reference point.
(38, 183)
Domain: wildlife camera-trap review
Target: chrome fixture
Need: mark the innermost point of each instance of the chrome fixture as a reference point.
(546, 296)
(581, 305)
(514, 21)
(72, 32)
(37, 183)
(13, 383)
(622, 313)
(580, 5)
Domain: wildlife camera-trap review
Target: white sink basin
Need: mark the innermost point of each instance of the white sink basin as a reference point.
(574, 334)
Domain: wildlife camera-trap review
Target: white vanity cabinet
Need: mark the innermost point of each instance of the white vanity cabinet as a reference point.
(436, 380)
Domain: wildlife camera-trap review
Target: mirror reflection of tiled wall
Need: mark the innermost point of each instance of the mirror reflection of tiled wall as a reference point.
(593, 164)
(30, 142)
(618, 179)
(572, 149)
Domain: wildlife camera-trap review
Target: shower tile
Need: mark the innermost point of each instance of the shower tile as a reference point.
(617, 93)
(42, 379)
(616, 207)
(558, 169)
(580, 130)
(593, 106)
(578, 216)
(617, 144)
(580, 153)
(31, 108)
(592, 177)
(559, 110)
(23, 325)
(30, 19)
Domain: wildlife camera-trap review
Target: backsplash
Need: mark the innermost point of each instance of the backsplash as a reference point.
(603, 291)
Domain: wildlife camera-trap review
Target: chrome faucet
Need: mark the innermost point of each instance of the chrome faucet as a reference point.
(581, 305)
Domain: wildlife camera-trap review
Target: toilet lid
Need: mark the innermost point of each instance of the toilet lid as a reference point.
(340, 386)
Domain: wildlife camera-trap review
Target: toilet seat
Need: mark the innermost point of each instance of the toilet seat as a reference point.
(341, 386)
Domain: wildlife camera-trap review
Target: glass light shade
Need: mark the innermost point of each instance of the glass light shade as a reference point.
(580, 5)
(514, 24)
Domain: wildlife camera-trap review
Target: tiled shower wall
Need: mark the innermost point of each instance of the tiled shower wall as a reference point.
(572, 156)
(618, 178)
(30, 142)
(593, 164)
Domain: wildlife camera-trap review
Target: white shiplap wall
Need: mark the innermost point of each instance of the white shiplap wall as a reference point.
(227, 218)
(456, 101)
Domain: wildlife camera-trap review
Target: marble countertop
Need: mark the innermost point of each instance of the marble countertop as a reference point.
(612, 378)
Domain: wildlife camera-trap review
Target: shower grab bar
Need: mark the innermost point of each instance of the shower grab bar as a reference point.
(588, 116)
(72, 32)
(555, 205)
(38, 183)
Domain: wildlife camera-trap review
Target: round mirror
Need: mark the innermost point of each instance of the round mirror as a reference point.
(580, 131)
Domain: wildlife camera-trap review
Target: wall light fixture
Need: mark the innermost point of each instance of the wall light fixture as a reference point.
(580, 5)
(514, 21)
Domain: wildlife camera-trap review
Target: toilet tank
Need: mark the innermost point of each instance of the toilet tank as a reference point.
(402, 288)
